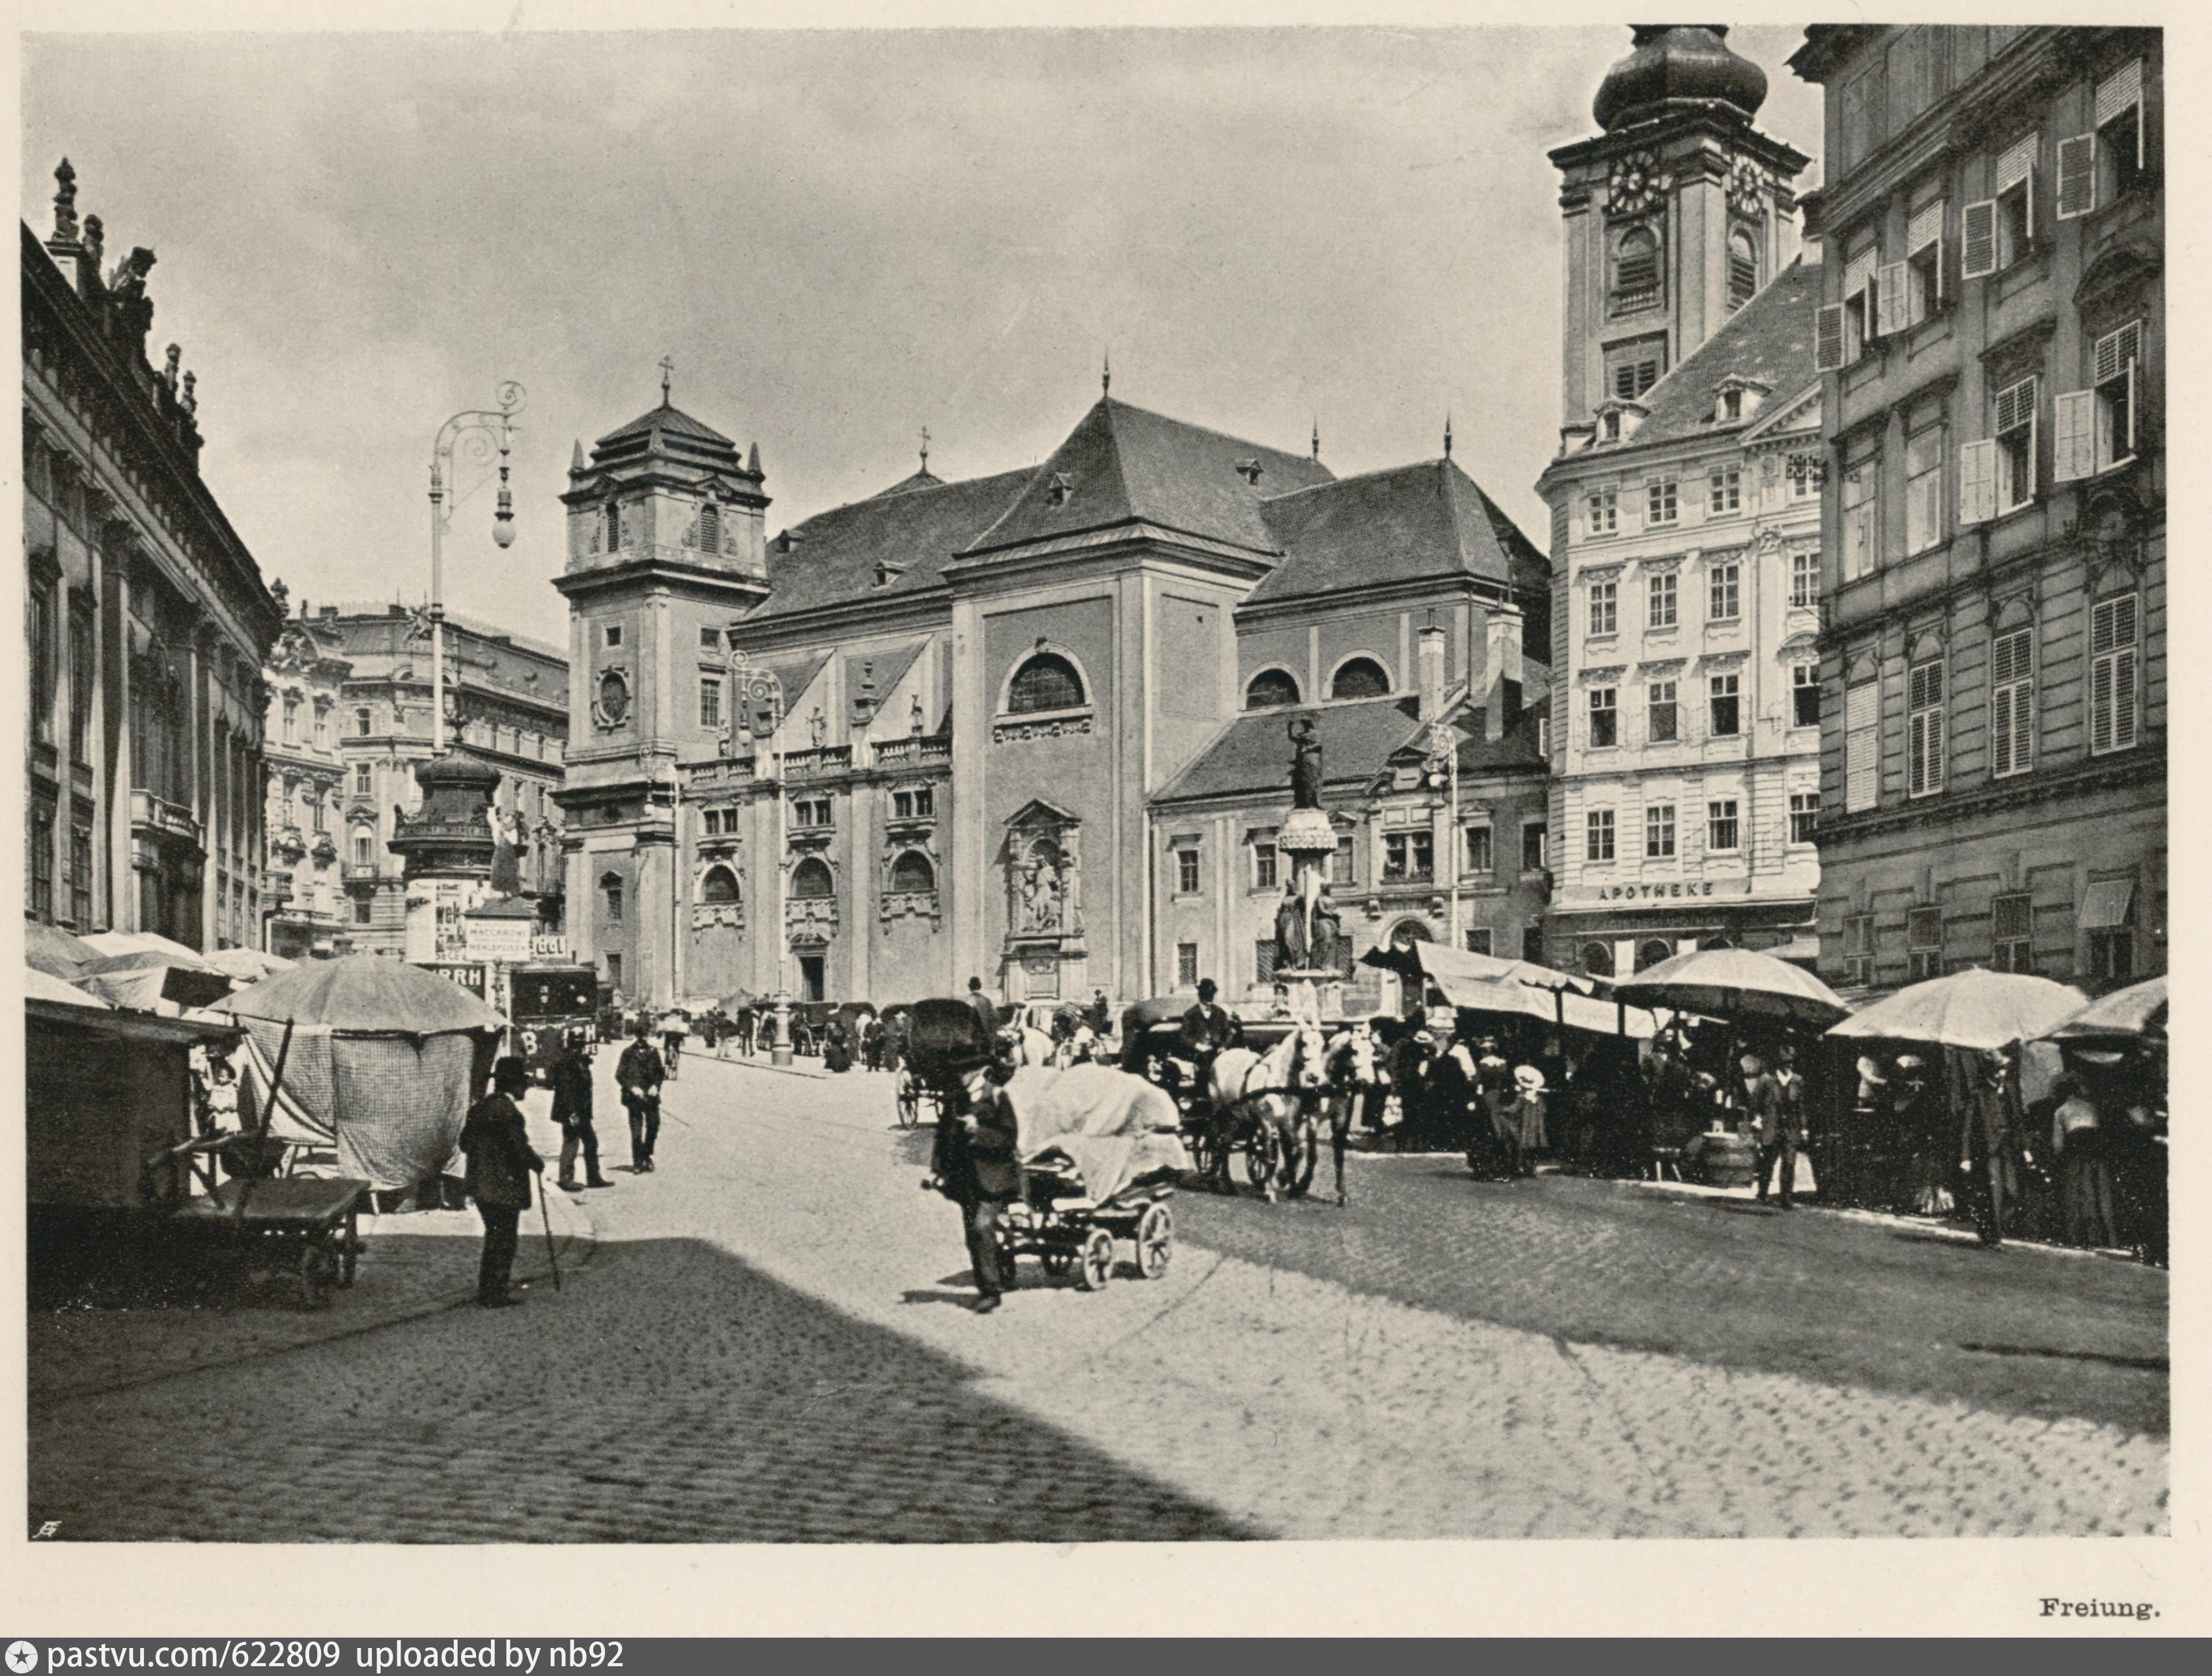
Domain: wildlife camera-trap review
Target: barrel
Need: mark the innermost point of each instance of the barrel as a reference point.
(1731, 1161)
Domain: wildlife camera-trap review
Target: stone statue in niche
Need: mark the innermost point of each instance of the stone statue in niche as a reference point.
(818, 728)
(915, 718)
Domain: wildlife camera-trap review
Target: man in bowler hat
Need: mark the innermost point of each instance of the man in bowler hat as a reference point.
(500, 1162)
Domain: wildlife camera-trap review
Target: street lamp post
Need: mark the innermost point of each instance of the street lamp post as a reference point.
(478, 432)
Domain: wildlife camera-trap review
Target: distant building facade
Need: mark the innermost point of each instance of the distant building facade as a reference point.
(1992, 336)
(1685, 539)
(147, 620)
(352, 684)
(920, 738)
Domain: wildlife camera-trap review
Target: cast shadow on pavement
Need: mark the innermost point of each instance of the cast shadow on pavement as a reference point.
(672, 1393)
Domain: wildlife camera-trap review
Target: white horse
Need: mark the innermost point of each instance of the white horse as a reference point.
(1352, 1069)
(1271, 1087)
(1028, 1046)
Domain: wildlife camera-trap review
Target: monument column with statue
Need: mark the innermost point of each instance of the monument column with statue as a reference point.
(1309, 974)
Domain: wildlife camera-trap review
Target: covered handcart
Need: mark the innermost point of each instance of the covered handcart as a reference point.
(384, 1062)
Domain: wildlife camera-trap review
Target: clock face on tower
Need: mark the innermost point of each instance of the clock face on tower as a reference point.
(1633, 184)
(1747, 186)
(614, 698)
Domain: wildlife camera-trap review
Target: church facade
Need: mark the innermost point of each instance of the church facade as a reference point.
(965, 728)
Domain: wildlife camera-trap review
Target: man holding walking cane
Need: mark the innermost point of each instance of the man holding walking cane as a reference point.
(501, 1162)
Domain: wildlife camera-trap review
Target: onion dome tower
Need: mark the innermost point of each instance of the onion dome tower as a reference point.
(1675, 214)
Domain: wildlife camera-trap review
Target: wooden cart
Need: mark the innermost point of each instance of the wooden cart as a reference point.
(307, 1225)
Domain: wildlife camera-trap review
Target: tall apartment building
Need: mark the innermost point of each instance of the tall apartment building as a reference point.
(146, 619)
(1993, 652)
(1684, 523)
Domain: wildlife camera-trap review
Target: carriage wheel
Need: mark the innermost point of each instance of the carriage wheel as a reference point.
(1203, 1158)
(910, 1105)
(1097, 1261)
(349, 1252)
(1155, 1241)
(317, 1269)
(1262, 1156)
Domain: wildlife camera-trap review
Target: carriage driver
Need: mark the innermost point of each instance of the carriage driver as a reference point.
(1206, 1029)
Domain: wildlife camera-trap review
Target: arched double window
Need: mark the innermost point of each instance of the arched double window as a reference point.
(1742, 267)
(1359, 678)
(912, 872)
(811, 880)
(720, 886)
(1271, 690)
(1635, 268)
(1047, 681)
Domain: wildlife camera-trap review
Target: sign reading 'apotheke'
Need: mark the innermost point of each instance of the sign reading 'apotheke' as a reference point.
(1613, 893)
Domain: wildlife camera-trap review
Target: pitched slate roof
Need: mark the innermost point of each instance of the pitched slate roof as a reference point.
(1411, 521)
(891, 669)
(923, 478)
(1769, 339)
(1253, 753)
(1515, 748)
(1123, 464)
(836, 552)
(672, 422)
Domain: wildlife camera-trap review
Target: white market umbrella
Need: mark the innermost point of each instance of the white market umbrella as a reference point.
(1973, 1009)
(1735, 983)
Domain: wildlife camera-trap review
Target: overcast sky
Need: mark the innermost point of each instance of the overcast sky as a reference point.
(839, 236)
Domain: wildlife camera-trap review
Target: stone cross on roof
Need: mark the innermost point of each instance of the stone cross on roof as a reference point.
(667, 372)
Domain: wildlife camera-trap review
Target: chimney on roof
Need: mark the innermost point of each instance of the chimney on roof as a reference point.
(1500, 679)
(1431, 664)
(329, 610)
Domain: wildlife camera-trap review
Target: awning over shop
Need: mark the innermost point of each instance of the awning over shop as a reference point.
(1559, 1007)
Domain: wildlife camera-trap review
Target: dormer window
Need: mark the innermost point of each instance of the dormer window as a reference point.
(1250, 471)
(1612, 429)
(1062, 487)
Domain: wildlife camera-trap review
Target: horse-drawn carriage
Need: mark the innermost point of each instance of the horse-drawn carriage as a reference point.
(1264, 1100)
(1100, 1151)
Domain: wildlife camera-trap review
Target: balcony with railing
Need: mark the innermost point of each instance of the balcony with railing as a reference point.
(821, 760)
(917, 751)
(161, 819)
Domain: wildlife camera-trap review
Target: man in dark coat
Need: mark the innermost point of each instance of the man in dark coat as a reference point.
(986, 1008)
(500, 1162)
(976, 1164)
(640, 1074)
(1781, 1111)
(1206, 1031)
(571, 1110)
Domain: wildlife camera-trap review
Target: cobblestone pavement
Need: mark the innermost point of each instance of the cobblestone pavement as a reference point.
(771, 1343)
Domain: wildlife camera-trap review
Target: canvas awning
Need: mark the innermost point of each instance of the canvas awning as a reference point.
(1559, 1007)
(2106, 904)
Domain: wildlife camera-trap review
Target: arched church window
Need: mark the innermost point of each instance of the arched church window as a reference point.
(1270, 689)
(1742, 267)
(710, 527)
(1635, 268)
(1047, 681)
(614, 529)
(1597, 959)
(811, 880)
(720, 886)
(610, 891)
(1359, 678)
(912, 871)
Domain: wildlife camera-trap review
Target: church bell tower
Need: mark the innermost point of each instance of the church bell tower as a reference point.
(667, 547)
(1675, 214)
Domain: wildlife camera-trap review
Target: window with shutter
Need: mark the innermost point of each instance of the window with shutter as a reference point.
(1924, 728)
(1862, 746)
(2077, 176)
(2113, 420)
(2012, 703)
(1862, 520)
(1860, 322)
(2073, 436)
(1923, 255)
(2119, 138)
(1978, 483)
(1828, 337)
(1978, 239)
(1893, 314)
(2113, 674)
(2015, 201)
(2014, 428)
(1923, 490)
